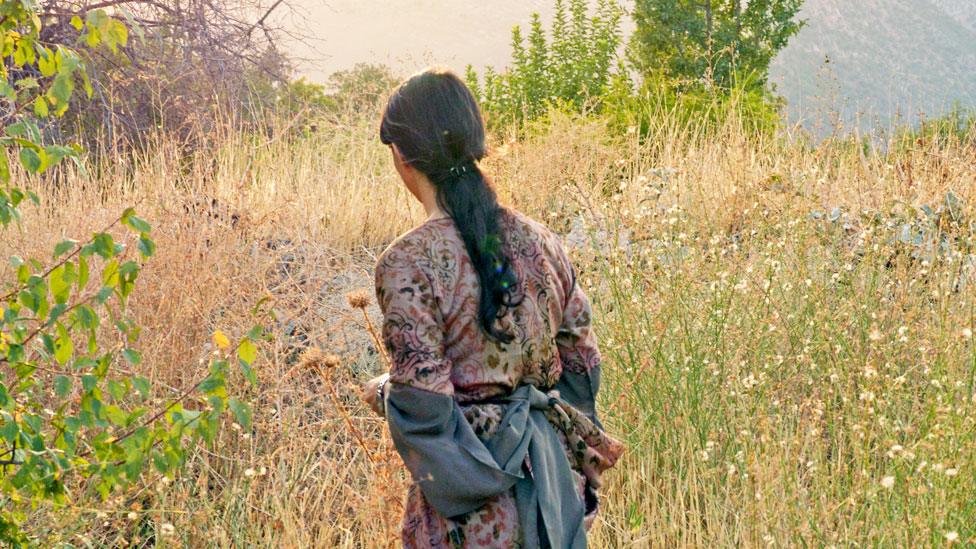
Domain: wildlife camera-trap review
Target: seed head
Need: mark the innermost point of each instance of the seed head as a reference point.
(313, 358)
(358, 299)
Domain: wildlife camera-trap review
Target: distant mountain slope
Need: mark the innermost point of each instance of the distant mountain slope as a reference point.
(887, 58)
(963, 11)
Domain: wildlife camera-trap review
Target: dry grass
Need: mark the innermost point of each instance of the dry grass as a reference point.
(767, 369)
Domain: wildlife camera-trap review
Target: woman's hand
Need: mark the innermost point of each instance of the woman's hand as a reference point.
(370, 395)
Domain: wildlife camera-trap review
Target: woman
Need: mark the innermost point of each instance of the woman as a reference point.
(490, 398)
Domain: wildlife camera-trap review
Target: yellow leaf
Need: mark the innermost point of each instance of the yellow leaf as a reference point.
(220, 340)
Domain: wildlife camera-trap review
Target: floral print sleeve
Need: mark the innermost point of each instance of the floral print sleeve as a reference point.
(575, 338)
(412, 331)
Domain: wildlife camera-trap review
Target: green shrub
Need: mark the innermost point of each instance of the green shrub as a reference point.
(725, 43)
(574, 66)
(75, 419)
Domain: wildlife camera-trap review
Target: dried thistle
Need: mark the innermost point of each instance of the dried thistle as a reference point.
(331, 361)
(313, 358)
(358, 299)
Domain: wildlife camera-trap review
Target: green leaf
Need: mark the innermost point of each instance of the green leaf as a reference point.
(110, 274)
(4, 168)
(20, 57)
(242, 412)
(61, 90)
(212, 385)
(142, 385)
(8, 91)
(132, 356)
(30, 159)
(40, 106)
(60, 281)
(63, 247)
(116, 415)
(217, 403)
(146, 246)
(104, 294)
(56, 313)
(138, 224)
(82, 273)
(249, 373)
(247, 351)
(29, 300)
(47, 63)
(64, 347)
(117, 389)
(62, 386)
(117, 35)
(9, 431)
(86, 85)
(56, 153)
(17, 129)
(88, 382)
(93, 37)
(104, 245)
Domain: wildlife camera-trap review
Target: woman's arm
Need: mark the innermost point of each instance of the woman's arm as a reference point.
(576, 342)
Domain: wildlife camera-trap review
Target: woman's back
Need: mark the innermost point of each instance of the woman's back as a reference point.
(494, 371)
(430, 263)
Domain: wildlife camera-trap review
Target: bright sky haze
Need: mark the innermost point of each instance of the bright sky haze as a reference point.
(409, 34)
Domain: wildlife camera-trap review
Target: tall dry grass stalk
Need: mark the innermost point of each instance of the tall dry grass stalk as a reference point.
(780, 378)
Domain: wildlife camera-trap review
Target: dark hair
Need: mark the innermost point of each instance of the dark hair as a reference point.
(434, 121)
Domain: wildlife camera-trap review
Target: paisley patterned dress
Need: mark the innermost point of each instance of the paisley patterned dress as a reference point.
(428, 292)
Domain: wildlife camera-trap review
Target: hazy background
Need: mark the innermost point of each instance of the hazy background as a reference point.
(888, 59)
(409, 34)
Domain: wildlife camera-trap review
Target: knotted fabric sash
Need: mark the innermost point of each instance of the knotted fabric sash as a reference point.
(458, 473)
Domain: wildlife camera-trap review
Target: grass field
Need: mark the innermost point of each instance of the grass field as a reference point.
(786, 331)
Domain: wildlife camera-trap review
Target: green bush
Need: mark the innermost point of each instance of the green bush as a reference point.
(75, 420)
(725, 43)
(573, 67)
(576, 69)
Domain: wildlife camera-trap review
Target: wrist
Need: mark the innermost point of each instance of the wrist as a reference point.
(381, 395)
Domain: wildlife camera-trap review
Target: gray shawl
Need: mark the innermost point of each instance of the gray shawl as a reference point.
(458, 473)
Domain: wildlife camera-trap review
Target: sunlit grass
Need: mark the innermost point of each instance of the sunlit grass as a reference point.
(784, 367)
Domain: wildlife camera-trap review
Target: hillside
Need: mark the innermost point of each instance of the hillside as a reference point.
(876, 60)
(963, 11)
(887, 57)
